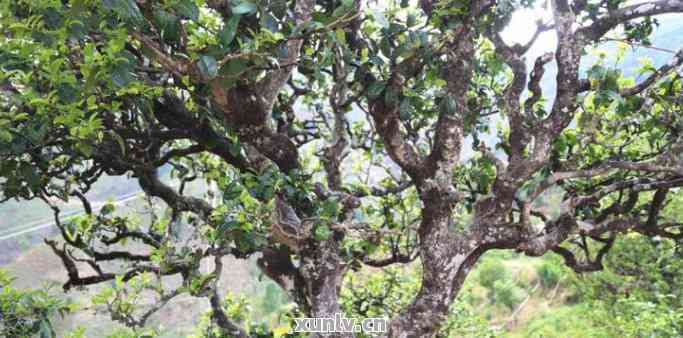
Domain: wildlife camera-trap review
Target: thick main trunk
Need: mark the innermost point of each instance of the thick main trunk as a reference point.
(446, 259)
(315, 284)
(323, 274)
(322, 270)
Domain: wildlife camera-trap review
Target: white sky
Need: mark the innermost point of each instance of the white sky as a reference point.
(523, 25)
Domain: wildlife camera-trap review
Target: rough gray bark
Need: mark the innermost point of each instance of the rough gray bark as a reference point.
(323, 270)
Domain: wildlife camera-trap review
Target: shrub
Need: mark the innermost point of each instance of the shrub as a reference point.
(564, 321)
(491, 271)
(549, 274)
(638, 293)
(507, 293)
(25, 313)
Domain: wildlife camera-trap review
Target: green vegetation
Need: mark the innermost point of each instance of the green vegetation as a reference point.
(29, 312)
(549, 274)
(637, 295)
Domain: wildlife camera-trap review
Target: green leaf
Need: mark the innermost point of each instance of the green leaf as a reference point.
(188, 9)
(411, 21)
(121, 74)
(84, 148)
(125, 9)
(45, 329)
(168, 24)
(322, 233)
(405, 110)
(385, 47)
(235, 149)
(232, 191)
(234, 67)
(208, 66)
(247, 200)
(36, 134)
(344, 8)
(5, 136)
(375, 89)
(330, 208)
(31, 176)
(340, 35)
(245, 7)
(227, 34)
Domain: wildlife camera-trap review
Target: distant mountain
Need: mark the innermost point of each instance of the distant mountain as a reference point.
(668, 35)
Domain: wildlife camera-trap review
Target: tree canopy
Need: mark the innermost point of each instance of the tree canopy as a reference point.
(334, 136)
